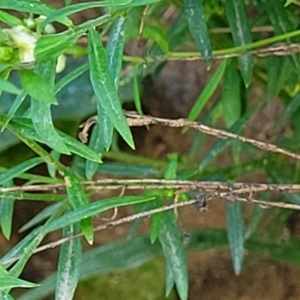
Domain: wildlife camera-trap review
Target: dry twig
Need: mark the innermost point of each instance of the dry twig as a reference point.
(135, 119)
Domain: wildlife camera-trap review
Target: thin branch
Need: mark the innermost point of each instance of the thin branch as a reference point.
(160, 184)
(135, 120)
(227, 196)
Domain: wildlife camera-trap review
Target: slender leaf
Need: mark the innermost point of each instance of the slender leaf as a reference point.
(96, 144)
(197, 25)
(36, 87)
(68, 265)
(171, 242)
(156, 220)
(279, 18)
(72, 75)
(41, 113)
(71, 9)
(124, 254)
(235, 231)
(51, 169)
(8, 282)
(49, 47)
(102, 134)
(291, 107)
(9, 19)
(13, 109)
(17, 170)
(114, 49)
(41, 216)
(231, 96)
(136, 92)
(42, 123)
(25, 127)
(207, 92)
(235, 128)
(7, 86)
(18, 249)
(104, 88)
(18, 268)
(30, 6)
(241, 33)
(6, 213)
(135, 3)
(156, 34)
(93, 209)
(78, 199)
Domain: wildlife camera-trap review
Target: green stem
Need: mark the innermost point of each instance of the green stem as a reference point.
(141, 60)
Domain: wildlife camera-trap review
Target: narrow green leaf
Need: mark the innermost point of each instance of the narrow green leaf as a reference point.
(241, 33)
(156, 34)
(41, 216)
(275, 65)
(6, 213)
(281, 22)
(68, 265)
(197, 25)
(7, 86)
(77, 200)
(71, 9)
(42, 123)
(136, 92)
(207, 92)
(51, 169)
(4, 75)
(124, 254)
(36, 87)
(171, 241)
(24, 126)
(235, 128)
(3, 271)
(8, 282)
(235, 232)
(13, 172)
(72, 75)
(13, 109)
(170, 172)
(18, 249)
(156, 220)
(96, 143)
(26, 254)
(104, 88)
(30, 6)
(291, 107)
(231, 96)
(102, 134)
(93, 209)
(51, 46)
(114, 49)
(135, 3)
(9, 19)
(256, 216)
(41, 112)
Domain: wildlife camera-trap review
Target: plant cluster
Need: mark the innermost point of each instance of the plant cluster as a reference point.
(255, 43)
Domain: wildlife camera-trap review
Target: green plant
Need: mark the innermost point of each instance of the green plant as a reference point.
(30, 55)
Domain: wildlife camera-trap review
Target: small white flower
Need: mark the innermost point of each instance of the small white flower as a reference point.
(25, 41)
